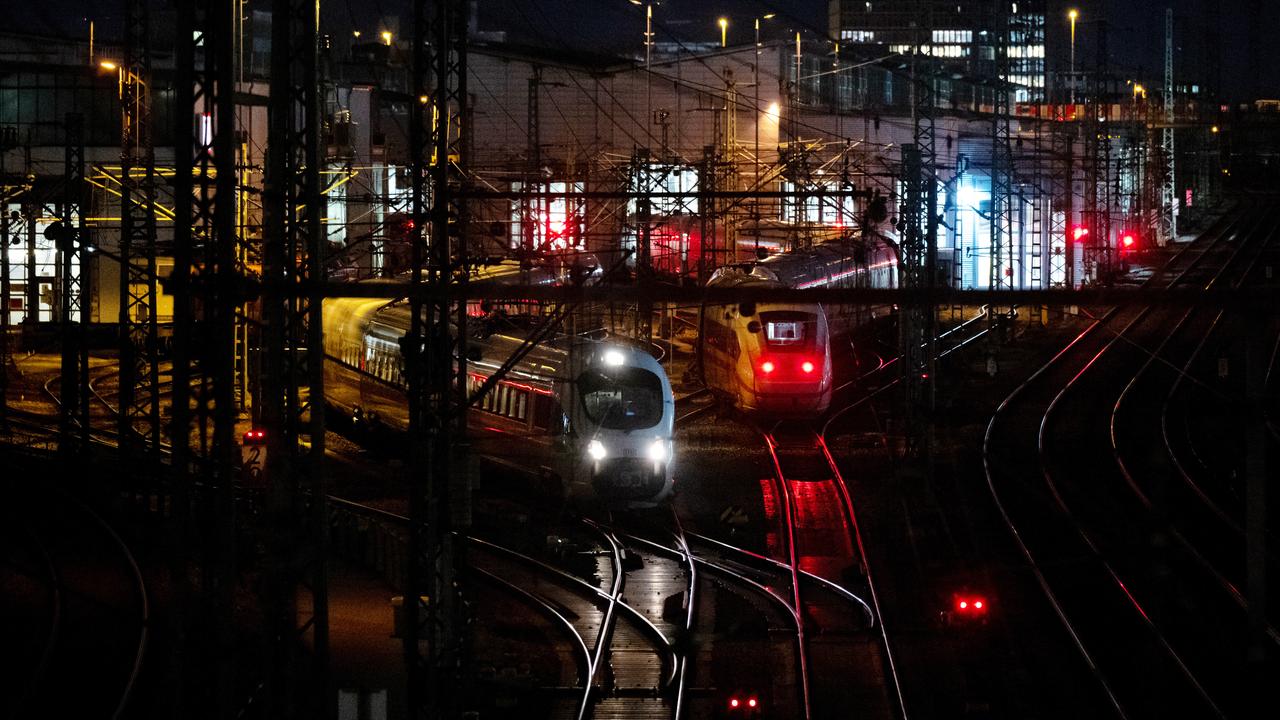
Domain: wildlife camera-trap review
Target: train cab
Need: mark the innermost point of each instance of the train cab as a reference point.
(791, 373)
(624, 420)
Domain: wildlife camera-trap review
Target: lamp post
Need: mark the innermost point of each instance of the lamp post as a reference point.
(757, 111)
(1072, 15)
(724, 31)
(648, 54)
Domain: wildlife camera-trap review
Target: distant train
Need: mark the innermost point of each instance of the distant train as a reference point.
(773, 358)
(591, 413)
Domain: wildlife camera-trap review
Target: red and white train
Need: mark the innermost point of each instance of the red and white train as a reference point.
(773, 358)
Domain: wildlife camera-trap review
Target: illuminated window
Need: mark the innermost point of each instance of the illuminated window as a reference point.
(553, 220)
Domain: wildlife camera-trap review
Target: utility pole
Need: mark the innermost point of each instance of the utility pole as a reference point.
(72, 243)
(139, 412)
(1001, 161)
(293, 265)
(1170, 194)
(918, 249)
(204, 241)
(8, 141)
(440, 501)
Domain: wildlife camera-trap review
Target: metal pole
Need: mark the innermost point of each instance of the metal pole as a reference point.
(8, 139)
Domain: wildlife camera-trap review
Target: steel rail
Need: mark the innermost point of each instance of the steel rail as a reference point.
(891, 665)
(1230, 587)
(1042, 580)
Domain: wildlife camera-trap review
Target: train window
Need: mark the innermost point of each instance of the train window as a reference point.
(789, 328)
(522, 404)
(625, 399)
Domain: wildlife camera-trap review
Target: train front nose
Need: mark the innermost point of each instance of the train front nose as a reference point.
(632, 469)
(791, 384)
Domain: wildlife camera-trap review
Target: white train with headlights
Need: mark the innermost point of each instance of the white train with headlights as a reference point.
(593, 415)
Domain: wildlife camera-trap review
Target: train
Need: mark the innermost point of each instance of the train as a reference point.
(594, 414)
(774, 358)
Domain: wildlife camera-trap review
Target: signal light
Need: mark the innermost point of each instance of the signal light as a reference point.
(806, 366)
(734, 702)
(766, 367)
(255, 437)
(1127, 241)
(971, 606)
(1078, 232)
(752, 703)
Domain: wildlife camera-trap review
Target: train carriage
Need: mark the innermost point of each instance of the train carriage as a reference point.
(595, 415)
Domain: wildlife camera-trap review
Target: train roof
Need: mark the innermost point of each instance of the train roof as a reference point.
(806, 266)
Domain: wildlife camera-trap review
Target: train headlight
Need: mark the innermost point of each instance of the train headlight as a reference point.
(595, 449)
(614, 358)
(658, 450)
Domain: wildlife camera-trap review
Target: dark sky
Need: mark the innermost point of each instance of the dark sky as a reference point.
(1135, 32)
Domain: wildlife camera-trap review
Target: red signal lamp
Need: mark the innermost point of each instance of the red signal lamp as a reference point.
(1079, 231)
(255, 437)
(972, 606)
(1127, 241)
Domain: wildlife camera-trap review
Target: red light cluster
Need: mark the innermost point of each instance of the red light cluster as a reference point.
(767, 367)
(971, 605)
(750, 703)
(255, 437)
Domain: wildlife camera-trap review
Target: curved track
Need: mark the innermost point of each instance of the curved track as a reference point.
(1147, 615)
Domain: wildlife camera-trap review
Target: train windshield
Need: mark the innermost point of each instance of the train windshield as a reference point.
(623, 399)
(789, 329)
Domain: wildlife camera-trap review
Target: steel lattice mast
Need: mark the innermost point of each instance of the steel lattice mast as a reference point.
(73, 253)
(293, 347)
(918, 244)
(206, 289)
(1170, 194)
(1001, 158)
(139, 411)
(437, 132)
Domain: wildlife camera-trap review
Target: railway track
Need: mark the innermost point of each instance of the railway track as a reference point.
(1110, 569)
(841, 665)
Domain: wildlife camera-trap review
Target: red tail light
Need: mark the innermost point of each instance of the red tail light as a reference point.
(807, 366)
(971, 606)
(752, 702)
(766, 367)
(733, 703)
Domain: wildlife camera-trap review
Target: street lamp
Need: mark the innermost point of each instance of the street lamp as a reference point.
(1072, 14)
(386, 37)
(724, 30)
(768, 16)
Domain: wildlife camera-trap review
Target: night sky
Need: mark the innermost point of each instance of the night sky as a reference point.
(1135, 34)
